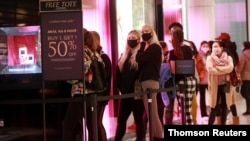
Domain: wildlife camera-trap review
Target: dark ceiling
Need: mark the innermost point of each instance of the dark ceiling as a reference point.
(19, 12)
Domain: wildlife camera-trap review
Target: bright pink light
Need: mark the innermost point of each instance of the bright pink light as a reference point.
(172, 11)
(27, 28)
(179, 6)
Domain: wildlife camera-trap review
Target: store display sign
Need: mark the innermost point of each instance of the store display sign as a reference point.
(60, 5)
(62, 45)
(184, 67)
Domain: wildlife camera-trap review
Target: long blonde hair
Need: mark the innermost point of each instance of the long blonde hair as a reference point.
(128, 50)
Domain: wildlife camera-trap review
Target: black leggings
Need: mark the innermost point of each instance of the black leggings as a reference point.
(73, 119)
(221, 103)
(127, 106)
(202, 90)
(245, 89)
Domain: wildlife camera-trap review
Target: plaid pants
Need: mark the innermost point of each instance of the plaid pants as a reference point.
(189, 88)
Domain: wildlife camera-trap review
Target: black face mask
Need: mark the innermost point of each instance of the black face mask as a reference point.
(146, 36)
(132, 43)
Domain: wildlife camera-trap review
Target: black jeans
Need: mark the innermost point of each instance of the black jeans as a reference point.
(127, 106)
(74, 116)
(220, 108)
(245, 88)
(202, 90)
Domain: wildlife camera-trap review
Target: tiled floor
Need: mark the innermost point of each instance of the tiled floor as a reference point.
(130, 135)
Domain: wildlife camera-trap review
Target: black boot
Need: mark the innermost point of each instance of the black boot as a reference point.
(233, 110)
(212, 116)
(247, 107)
(224, 114)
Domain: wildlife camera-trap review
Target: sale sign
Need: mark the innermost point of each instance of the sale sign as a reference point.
(62, 44)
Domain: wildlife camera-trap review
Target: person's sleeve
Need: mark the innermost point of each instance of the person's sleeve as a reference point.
(227, 68)
(148, 54)
(219, 70)
(241, 64)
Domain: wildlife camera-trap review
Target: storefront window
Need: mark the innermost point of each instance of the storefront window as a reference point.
(96, 18)
(172, 12)
(130, 16)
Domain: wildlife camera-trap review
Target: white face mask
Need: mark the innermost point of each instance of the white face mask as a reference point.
(242, 48)
(204, 49)
(217, 51)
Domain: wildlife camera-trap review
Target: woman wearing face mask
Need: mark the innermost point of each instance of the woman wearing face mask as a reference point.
(149, 58)
(204, 49)
(219, 64)
(126, 74)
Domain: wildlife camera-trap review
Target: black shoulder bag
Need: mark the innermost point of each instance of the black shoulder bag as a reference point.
(99, 82)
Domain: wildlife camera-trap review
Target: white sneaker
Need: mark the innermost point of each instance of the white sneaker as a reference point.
(205, 118)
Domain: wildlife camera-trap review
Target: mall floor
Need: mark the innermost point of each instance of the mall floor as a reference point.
(240, 102)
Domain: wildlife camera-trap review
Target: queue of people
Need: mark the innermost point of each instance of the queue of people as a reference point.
(142, 60)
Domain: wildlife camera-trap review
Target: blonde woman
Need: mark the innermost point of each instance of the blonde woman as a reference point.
(149, 58)
(126, 75)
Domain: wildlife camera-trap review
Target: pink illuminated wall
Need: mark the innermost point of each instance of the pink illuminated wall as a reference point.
(227, 15)
(205, 20)
(96, 17)
(172, 11)
(231, 17)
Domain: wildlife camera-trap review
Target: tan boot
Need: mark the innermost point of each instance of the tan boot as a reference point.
(218, 120)
(236, 120)
(194, 109)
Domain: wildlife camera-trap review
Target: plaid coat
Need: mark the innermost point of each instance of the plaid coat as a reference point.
(77, 85)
